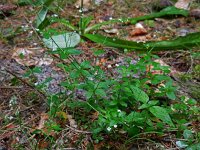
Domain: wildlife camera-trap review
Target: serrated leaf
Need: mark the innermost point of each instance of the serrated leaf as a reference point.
(65, 40)
(161, 114)
(139, 95)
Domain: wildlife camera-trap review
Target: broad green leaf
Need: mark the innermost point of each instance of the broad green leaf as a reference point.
(194, 147)
(165, 12)
(162, 114)
(41, 16)
(171, 95)
(84, 22)
(114, 42)
(70, 39)
(100, 92)
(186, 42)
(139, 95)
(72, 51)
(122, 103)
(132, 131)
(188, 134)
(99, 52)
(181, 144)
(149, 104)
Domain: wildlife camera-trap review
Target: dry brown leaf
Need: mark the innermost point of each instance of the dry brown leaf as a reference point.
(43, 144)
(72, 122)
(7, 8)
(86, 3)
(31, 57)
(139, 30)
(43, 118)
(195, 13)
(112, 31)
(183, 4)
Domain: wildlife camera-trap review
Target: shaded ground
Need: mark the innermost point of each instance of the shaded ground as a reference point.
(17, 31)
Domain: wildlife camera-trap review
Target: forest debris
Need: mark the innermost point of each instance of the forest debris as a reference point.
(161, 4)
(43, 118)
(7, 8)
(112, 31)
(30, 57)
(183, 4)
(86, 3)
(139, 30)
(72, 122)
(195, 13)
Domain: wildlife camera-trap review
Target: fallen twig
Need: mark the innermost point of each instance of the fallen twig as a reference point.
(22, 80)
(79, 131)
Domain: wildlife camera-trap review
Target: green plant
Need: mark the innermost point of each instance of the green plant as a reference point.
(190, 141)
(137, 100)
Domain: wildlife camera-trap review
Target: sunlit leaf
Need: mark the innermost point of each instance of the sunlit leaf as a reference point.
(139, 95)
(185, 42)
(162, 114)
(70, 39)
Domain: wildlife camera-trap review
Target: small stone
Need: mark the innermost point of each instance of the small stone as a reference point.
(195, 13)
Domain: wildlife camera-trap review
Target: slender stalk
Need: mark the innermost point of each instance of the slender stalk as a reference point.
(81, 18)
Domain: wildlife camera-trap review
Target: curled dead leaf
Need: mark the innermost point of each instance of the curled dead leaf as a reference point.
(43, 118)
(183, 4)
(72, 122)
(31, 57)
(195, 13)
(86, 3)
(112, 31)
(139, 30)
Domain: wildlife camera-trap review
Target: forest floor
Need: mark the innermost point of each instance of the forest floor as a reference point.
(23, 107)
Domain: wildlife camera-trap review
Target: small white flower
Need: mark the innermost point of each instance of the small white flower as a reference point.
(96, 73)
(117, 65)
(9, 117)
(109, 128)
(115, 126)
(90, 78)
(55, 15)
(119, 111)
(109, 66)
(110, 18)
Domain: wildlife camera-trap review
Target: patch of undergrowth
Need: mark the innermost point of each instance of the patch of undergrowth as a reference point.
(136, 102)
